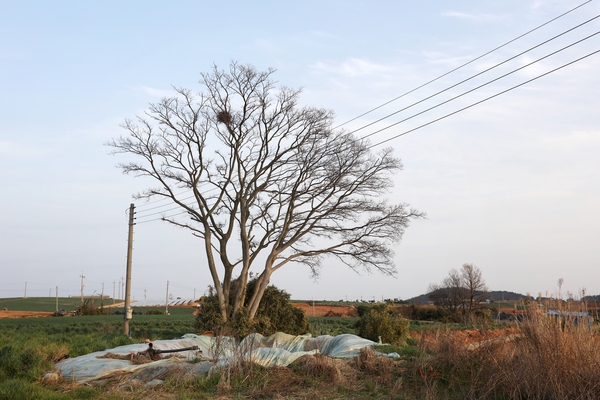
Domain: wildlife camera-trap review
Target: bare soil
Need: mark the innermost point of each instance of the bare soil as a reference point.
(23, 314)
(326, 311)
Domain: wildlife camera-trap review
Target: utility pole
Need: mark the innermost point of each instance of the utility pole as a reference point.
(114, 291)
(57, 299)
(167, 300)
(82, 286)
(144, 294)
(128, 279)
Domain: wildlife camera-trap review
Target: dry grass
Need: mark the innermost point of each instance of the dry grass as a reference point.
(554, 358)
(548, 358)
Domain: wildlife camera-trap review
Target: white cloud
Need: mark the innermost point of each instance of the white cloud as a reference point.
(353, 67)
(154, 92)
(472, 17)
(12, 150)
(578, 140)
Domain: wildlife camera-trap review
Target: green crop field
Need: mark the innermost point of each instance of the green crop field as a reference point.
(48, 304)
(45, 304)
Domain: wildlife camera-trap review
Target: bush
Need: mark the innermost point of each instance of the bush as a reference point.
(426, 313)
(275, 314)
(380, 322)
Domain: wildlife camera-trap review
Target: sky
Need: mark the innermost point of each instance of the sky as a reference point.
(511, 185)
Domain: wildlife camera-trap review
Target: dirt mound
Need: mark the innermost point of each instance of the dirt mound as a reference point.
(326, 311)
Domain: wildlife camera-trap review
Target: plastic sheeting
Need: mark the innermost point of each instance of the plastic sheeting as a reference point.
(279, 349)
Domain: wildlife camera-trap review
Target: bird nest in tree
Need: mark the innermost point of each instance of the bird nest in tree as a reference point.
(224, 117)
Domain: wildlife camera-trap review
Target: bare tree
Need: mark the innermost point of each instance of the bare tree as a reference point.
(263, 181)
(462, 291)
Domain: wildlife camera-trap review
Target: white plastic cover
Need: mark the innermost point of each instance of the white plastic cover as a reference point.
(279, 349)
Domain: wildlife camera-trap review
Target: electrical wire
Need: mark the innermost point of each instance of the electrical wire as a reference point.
(473, 76)
(478, 102)
(482, 85)
(463, 65)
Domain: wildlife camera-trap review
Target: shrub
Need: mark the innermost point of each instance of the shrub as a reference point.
(275, 314)
(380, 321)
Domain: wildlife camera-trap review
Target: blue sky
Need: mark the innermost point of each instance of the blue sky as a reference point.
(511, 185)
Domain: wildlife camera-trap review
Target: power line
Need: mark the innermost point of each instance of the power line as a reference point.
(463, 65)
(162, 218)
(479, 102)
(478, 74)
(482, 85)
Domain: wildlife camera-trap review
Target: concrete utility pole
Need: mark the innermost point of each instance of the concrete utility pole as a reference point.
(128, 275)
(114, 291)
(57, 299)
(167, 300)
(82, 286)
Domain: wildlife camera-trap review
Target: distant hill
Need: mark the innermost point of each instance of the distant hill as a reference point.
(495, 295)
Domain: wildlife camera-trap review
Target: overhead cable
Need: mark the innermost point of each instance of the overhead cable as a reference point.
(463, 65)
(478, 74)
(478, 102)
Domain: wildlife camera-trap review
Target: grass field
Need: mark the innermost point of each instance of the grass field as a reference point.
(46, 304)
(540, 358)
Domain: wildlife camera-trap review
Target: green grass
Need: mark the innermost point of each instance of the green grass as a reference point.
(43, 304)
(332, 325)
(30, 346)
(48, 304)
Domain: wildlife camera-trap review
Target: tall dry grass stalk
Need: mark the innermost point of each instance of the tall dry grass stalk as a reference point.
(555, 357)
(548, 357)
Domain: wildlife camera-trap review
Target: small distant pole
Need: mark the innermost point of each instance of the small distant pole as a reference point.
(25, 294)
(57, 299)
(167, 300)
(82, 286)
(128, 274)
(114, 282)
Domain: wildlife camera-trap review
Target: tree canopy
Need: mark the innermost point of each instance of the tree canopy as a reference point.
(264, 182)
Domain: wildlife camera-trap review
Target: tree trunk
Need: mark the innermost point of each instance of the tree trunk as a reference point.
(259, 291)
(214, 274)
